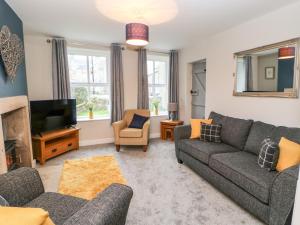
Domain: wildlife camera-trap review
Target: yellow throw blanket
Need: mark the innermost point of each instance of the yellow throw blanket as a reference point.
(24, 216)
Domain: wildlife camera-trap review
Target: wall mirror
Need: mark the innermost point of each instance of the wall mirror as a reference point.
(269, 71)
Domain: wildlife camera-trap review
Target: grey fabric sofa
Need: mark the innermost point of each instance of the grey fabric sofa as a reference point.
(23, 188)
(231, 166)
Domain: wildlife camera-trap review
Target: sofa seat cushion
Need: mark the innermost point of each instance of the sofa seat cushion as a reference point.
(131, 133)
(259, 131)
(203, 150)
(242, 169)
(60, 207)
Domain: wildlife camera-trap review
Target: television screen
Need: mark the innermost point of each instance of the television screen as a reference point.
(50, 115)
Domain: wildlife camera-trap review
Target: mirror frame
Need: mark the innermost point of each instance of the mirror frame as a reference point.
(293, 94)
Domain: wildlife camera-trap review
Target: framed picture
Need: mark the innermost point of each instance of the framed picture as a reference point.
(270, 73)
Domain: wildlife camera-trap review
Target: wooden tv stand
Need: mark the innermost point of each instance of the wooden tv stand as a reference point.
(51, 144)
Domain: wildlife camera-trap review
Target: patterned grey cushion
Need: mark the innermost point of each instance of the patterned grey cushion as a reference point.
(234, 131)
(203, 150)
(292, 134)
(242, 169)
(3, 201)
(258, 132)
(211, 132)
(60, 207)
(268, 155)
(21, 186)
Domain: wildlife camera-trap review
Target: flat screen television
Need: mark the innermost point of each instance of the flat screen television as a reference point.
(51, 115)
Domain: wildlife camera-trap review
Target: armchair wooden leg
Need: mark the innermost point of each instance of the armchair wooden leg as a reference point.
(145, 148)
(118, 148)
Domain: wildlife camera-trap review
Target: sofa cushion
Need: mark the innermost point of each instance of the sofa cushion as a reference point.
(234, 131)
(131, 133)
(293, 134)
(258, 132)
(242, 169)
(217, 118)
(60, 207)
(138, 121)
(203, 150)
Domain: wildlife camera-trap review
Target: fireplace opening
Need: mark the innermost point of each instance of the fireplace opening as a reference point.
(11, 155)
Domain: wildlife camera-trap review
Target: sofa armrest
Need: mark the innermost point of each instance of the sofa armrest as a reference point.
(21, 186)
(109, 208)
(283, 195)
(117, 127)
(146, 129)
(181, 132)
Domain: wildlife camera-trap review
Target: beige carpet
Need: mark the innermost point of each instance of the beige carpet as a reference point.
(85, 178)
(165, 192)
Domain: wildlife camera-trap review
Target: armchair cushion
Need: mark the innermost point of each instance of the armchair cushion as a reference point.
(131, 133)
(138, 121)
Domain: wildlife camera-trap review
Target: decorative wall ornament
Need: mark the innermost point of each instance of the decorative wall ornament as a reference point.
(12, 51)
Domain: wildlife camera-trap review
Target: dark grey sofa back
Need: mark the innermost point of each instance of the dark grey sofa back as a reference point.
(21, 186)
(259, 131)
(234, 131)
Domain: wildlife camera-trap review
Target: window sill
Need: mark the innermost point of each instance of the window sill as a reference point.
(160, 115)
(90, 120)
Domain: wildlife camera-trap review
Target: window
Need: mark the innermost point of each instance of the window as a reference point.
(90, 82)
(158, 70)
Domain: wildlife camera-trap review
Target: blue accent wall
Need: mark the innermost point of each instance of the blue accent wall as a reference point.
(285, 74)
(19, 86)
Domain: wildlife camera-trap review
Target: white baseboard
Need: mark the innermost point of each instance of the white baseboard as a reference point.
(107, 140)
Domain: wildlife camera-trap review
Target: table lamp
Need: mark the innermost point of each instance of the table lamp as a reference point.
(172, 107)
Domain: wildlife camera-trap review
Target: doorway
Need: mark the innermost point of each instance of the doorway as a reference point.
(198, 88)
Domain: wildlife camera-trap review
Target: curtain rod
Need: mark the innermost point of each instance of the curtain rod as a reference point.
(124, 47)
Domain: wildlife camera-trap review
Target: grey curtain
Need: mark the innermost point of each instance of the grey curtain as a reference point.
(174, 80)
(143, 92)
(249, 73)
(117, 83)
(60, 69)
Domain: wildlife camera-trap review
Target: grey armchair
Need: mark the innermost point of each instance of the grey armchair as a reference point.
(23, 188)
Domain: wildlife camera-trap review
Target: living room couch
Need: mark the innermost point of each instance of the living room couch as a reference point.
(231, 166)
(23, 188)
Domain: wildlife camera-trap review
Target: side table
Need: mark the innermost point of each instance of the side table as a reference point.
(167, 128)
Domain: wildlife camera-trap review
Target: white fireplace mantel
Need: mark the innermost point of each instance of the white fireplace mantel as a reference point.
(15, 112)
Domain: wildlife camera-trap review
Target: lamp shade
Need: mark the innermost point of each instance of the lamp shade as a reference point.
(173, 107)
(286, 53)
(137, 34)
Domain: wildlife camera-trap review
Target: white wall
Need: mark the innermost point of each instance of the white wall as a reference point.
(277, 26)
(39, 78)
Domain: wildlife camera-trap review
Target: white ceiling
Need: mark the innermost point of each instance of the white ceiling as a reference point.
(80, 20)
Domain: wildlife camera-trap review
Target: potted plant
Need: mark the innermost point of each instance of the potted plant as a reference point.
(155, 103)
(90, 106)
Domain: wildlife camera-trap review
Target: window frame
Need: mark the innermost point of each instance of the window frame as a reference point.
(92, 52)
(159, 57)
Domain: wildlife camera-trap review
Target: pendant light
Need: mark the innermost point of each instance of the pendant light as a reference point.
(137, 34)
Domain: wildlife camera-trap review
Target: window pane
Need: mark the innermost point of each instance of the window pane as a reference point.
(78, 68)
(150, 71)
(158, 97)
(98, 69)
(82, 98)
(160, 72)
(99, 98)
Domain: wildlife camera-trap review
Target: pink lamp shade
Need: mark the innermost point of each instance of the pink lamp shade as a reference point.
(286, 53)
(137, 34)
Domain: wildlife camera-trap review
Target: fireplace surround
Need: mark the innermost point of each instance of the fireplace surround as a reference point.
(15, 126)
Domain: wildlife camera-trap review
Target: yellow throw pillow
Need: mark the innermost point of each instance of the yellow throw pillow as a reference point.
(24, 216)
(196, 126)
(289, 154)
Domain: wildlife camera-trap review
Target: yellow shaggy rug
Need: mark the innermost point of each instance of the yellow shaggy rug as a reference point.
(85, 178)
